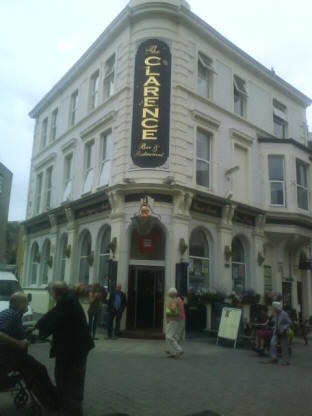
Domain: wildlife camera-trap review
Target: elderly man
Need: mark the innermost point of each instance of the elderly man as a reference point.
(14, 356)
(71, 343)
(116, 305)
(280, 334)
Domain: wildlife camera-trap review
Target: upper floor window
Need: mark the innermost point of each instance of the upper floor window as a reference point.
(279, 119)
(106, 147)
(109, 77)
(89, 165)
(205, 75)
(203, 158)
(302, 185)
(73, 107)
(38, 192)
(54, 124)
(240, 96)
(94, 90)
(277, 180)
(44, 132)
(48, 187)
(67, 176)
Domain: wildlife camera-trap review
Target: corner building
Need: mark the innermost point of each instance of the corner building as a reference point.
(167, 156)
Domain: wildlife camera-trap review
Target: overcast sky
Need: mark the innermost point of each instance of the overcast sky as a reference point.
(41, 39)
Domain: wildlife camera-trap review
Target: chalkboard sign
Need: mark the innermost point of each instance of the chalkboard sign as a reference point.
(151, 104)
(229, 324)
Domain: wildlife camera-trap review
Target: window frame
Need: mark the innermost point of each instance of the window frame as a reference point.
(109, 77)
(206, 63)
(282, 157)
(73, 108)
(88, 166)
(302, 187)
(38, 193)
(94, 90)
(67, 178)
(280, 120)
(240, 91)
(48, 187)
(53, 128)
(44, 133)
(105, 162)
(209, 136)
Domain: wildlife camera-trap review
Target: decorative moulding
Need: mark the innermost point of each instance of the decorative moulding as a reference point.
(243, 137)
(45, 161)
(205, 119)
(69, 145)
(98, 124)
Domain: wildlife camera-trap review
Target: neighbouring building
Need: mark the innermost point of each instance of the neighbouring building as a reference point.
(5, 193)
(168, 156)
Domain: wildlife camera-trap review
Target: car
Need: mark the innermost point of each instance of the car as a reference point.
(9, 285)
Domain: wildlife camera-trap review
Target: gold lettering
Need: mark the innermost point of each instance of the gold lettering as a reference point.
(152, 61)
(150, 101)
(148, 71)
(149, 134)
(146, 123)
(153, 113)
(151, 90)
(151, 80)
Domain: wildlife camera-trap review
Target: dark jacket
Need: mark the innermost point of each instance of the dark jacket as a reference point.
(111, 301)
(68, 325)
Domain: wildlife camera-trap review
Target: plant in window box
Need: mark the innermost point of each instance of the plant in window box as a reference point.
(235, 298)
(249, 297)
(205, 296)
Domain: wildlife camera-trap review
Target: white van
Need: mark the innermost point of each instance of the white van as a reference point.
(9, 285)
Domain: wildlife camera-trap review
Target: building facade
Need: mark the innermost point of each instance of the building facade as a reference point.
(167, 156)
(5, 193)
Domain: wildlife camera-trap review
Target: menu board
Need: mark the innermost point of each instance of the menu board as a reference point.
(229, 323)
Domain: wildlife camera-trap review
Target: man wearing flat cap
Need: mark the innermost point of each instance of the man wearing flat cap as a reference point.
(280, 334)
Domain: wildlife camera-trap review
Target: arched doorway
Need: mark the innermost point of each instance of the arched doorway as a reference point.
(146, 280)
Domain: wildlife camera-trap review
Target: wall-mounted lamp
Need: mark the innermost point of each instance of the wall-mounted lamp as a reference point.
(227, 253)
(113, 245)
(182, 247)
(260, 258)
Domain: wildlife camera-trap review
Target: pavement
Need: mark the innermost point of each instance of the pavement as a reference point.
(134, 377)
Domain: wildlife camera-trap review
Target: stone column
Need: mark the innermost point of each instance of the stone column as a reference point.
(71, 269)
(258, 256)
(53, 252)
(224, 256)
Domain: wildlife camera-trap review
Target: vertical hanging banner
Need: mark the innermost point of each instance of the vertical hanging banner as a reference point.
(151, 104)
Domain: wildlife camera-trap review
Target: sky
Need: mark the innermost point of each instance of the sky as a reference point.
(41, 39)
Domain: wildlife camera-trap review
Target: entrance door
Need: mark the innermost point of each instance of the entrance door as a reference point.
(145, 297)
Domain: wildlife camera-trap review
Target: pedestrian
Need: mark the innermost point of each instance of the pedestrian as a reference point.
(116, 303)
(14, 354)
(173, 348)
(71, 343)
(95, 304)
(181, 320)
(280, 334)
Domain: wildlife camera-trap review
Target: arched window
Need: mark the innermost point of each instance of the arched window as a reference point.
(238, 265)
(199, 261)
(34, 264)
(46, 253)
(85, 251)
(104, 257)
(62, 256)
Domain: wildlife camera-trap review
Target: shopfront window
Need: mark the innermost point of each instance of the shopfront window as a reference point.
(238, 266)
(85, 252)
(104, 258)
(199, 262)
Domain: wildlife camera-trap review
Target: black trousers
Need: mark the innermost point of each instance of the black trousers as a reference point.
(36, 378)
(70, 379)
(112, 315)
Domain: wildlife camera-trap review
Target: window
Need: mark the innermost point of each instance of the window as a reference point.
(88, 179)
(104, 258)
(44, 133)
(85, 251)
(38, 193)
(205, 75)
(1, 183)
(109, 77)
(67, 176)
(240, 96)
(279, 119)
(94, 90)
(54, 124)
(48, 184)
(73, 108)
(277, 180)
(106, 146)
(34, 264)
(203, 152)
(46, 254)
(238, 266)
(199, 261)
(302, 185)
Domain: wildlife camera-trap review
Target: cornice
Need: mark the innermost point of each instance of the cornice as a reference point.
(45, 161)
(99, 124)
